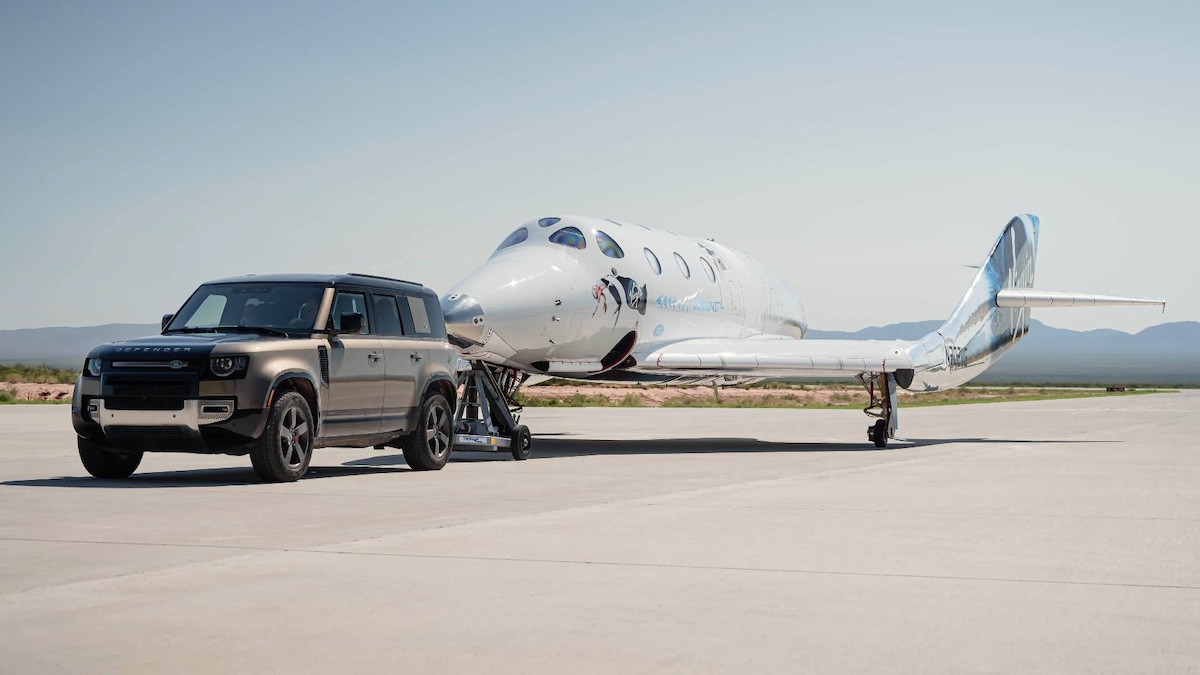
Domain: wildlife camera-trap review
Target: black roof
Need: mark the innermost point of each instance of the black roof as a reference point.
(352, 278)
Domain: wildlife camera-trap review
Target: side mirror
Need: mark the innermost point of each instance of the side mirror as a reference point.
(166, 320)
(351, 324)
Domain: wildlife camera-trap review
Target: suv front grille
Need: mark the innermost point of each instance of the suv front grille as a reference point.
(148, 387)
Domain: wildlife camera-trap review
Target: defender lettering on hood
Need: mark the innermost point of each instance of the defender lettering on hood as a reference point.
(172, 350)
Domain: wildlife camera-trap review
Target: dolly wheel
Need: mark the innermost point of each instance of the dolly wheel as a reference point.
(522, 442)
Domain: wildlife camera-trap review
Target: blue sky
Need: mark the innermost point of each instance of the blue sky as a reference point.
(868, 151)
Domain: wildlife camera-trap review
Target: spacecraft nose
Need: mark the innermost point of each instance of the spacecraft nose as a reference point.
(465, 320)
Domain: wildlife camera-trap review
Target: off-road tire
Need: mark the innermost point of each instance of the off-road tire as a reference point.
(283, 452)
(522, 442)
(104, 463)
(428, 447)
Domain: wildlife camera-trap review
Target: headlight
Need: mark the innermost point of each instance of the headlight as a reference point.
(94, 366)
(224, 366)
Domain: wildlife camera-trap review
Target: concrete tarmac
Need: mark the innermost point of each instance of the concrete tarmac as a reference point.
(1059, 536)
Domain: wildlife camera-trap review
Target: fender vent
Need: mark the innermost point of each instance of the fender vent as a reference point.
(323, 356)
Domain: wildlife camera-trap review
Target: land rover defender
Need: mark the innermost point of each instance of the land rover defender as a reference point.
(273, 367)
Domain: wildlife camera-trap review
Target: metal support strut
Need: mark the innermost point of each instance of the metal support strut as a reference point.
(882, 390)
(488, 414)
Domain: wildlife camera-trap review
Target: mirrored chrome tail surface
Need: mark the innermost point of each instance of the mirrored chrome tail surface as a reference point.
(979, 332)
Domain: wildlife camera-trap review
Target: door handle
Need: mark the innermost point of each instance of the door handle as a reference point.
(415, 356)
(375, 356)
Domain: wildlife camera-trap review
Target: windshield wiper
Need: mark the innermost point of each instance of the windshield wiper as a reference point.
(261, 330)
(188, 330)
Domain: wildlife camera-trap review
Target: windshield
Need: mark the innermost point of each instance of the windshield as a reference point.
(289, 307)
(518, 236)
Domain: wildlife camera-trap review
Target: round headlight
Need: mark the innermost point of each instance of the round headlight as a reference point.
(94, 366)
(224, 366)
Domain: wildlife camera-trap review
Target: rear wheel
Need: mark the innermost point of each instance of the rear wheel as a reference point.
(522, 442)
(428, 447)
(104, 463)
(282, 453)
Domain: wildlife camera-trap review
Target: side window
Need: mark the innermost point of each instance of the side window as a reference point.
(708, 270)
(387, 315)
(350, 303)
(653, 260)
(420, 317)
(683, 266)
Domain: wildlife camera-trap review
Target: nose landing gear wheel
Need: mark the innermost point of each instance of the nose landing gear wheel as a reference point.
(878, 433)
(522, 442)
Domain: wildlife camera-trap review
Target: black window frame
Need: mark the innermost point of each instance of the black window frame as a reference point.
(376, 296)
(368, 325)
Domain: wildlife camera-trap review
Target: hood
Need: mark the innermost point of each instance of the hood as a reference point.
(171, 346)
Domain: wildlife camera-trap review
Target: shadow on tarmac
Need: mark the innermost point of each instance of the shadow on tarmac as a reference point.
(224, 477)
(548, 446)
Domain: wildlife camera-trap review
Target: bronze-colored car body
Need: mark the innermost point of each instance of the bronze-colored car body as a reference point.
(211, 381)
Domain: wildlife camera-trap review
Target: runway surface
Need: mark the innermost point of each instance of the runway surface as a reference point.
(1059, 536)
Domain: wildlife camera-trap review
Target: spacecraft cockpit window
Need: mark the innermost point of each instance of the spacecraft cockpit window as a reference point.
(518, 236)
(608, 245)
(569, 236)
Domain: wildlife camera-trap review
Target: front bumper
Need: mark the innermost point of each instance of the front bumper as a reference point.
(198, 425)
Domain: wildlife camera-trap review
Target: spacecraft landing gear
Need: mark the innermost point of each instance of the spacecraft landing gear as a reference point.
(882, 389)
(487, 414)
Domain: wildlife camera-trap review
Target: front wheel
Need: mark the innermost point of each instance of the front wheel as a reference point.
(103, 463)
(879, 434)
(282, 453)
(428, 447)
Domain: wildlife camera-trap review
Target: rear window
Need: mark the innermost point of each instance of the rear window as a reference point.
(422, 315)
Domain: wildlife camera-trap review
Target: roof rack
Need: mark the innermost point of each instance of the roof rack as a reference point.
(376, 276)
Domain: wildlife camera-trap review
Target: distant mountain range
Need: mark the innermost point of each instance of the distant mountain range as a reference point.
(1167, 354)
(64, 347)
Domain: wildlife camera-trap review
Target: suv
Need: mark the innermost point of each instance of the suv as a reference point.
(273, 367)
